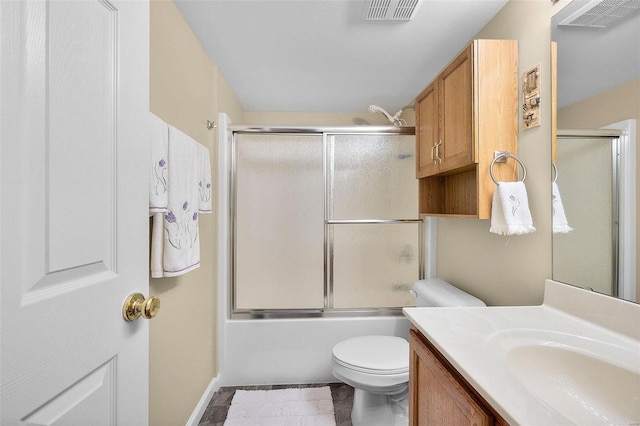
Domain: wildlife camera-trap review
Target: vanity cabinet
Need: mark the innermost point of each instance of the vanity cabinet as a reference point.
(438, 394)
(466, 114)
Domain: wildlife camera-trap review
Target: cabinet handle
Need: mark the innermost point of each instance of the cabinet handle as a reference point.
(437, 147)
(433, 150)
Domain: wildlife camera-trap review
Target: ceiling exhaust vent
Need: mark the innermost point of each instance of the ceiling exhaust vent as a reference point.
(601, 13)
(389, 10)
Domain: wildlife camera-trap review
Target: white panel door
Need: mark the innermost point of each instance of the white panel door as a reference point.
(73, 214)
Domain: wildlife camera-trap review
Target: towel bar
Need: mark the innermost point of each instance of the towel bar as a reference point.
(501, 157)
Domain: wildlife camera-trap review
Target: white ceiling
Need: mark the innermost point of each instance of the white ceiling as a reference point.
(319, 56)
(593, 60)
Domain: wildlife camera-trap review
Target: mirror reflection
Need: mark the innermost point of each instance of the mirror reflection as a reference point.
(595, 175)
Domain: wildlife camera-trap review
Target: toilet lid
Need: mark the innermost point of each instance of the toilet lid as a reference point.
(382, 354)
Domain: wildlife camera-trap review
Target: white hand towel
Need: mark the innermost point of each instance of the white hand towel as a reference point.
(560, 223)
(157, 245)
(158, 165)
(510, 213)
(204, 184)
(181, 242)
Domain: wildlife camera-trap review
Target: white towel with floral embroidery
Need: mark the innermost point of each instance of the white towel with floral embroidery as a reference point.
(560, 224)
(157, 245)
(510, 213)
(204, 183)
(158, 165)
(180, 248)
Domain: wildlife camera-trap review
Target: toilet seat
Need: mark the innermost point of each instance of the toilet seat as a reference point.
(373, 354)
(370, 370)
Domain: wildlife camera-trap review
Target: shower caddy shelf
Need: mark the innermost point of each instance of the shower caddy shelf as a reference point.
(466, 114)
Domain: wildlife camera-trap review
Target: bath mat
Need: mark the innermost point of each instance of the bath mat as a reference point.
(282, 407)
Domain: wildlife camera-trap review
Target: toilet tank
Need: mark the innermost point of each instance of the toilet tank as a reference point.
(436, 292)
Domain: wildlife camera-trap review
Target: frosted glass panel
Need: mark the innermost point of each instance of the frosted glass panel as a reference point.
(585, 255)
(374, 265)
(374, 177)
(279, 222)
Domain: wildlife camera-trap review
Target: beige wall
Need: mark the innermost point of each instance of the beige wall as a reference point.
(226, 101)
(618, 104)
(511, 270)
(182, 360)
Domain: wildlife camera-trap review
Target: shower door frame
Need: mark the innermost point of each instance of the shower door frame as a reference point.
(611, 137)
(328, 310)
(623, 138)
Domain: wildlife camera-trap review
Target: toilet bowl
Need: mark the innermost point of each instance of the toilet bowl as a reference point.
(377, 367)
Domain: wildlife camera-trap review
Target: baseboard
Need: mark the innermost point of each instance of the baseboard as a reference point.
(204, 402)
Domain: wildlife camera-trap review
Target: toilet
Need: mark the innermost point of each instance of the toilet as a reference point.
(377, 367)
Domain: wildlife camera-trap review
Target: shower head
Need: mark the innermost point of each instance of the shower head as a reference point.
(376, 108)
(395, 119)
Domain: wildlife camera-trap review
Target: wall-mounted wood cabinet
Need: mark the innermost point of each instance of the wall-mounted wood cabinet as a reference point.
(466, 114)
(438, 394)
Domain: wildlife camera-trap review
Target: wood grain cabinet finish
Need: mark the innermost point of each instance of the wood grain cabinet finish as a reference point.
(469, 111)
(439, 395)
(427, 132)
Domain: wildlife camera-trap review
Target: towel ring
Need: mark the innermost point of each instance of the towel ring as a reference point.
(554, 168)
(501, 156)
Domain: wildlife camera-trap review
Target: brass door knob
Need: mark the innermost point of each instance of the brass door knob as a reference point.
(136, 306)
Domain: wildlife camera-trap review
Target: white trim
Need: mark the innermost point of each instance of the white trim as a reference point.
(214, 385)
(627, 209)
(223, 239)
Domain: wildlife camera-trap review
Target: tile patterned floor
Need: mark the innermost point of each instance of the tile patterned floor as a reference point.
(216, 411)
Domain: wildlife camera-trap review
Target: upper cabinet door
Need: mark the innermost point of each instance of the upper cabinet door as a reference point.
(476, 114)
(444, 119)
(456, 132)
(427, 132)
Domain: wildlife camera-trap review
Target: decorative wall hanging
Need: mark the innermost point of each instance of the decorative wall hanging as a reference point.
(531, 98)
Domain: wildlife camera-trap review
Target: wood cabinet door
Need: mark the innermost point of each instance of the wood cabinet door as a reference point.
(456, 112)
(436, 397)
(427, 131)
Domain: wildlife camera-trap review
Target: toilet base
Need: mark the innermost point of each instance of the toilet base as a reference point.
(370, 409)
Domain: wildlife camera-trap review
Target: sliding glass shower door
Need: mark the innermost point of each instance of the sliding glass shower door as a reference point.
(587, 178)
(279, 258)
(324, 222)
(374, 237)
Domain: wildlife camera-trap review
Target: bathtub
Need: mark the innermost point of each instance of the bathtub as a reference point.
(284, 351)
(281, 351)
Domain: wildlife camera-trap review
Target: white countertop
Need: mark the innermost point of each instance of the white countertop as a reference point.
(475, 341)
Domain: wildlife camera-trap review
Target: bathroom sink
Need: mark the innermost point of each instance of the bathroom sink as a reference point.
(584, 380)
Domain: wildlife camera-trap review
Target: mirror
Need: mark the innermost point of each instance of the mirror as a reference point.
(595, 155)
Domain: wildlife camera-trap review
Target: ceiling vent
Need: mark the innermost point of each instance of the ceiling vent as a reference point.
(602, 13)
(389, 10)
